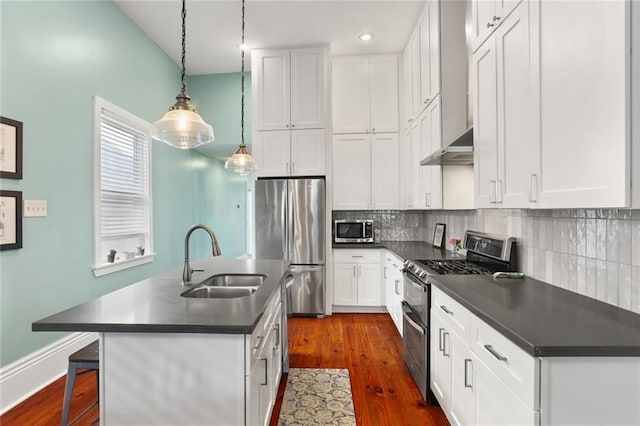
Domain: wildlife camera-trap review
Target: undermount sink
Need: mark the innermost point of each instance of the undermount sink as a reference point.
(234, 280)
(207, 292)
(226, 286)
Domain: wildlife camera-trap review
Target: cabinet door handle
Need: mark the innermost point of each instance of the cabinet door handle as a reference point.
(494, 353)
(533, 188)
(287, 126)
(293, 167)
(444, 308)
(440, 340)
(266, 373)
(359, 270)
(397, 291)
(426, 101)
(467, 361)
(354, 271)
(293, 125)
(373, 129)
(492, 191)
(410, 120)
(499, 190)
(258, 343)
(444, 343)
(384, 273)
(496, 18)
(356, 256)
(489, 25)
(277, 330)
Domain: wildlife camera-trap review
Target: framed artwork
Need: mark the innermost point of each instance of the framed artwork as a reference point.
(10, 148)
(438, 234)
(10, 220)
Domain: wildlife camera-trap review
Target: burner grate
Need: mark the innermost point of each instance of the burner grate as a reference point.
(454, 267)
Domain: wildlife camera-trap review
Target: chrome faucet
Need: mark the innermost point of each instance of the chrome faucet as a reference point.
(215, 248)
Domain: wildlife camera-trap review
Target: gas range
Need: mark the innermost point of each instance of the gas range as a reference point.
(486, 254)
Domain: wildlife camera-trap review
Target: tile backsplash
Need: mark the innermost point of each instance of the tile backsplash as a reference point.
(592, 252)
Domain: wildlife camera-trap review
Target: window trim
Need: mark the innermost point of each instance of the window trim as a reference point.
(100, 268)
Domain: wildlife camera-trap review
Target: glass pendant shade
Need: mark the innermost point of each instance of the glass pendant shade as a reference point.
(182, 127)
(241, 162)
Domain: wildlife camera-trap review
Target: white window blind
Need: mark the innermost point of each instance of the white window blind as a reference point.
(122, 190)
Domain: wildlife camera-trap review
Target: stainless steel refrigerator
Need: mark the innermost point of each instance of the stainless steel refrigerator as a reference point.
(290, 225)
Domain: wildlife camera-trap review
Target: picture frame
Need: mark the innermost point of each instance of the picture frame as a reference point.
(438, 234)
(10, 148)
(10, 220)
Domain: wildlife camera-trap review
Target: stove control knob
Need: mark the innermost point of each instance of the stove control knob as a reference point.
(422, 274)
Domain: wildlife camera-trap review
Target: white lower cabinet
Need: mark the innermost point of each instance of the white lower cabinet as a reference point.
(265, 357)
(393, 287)
(471, 387)
(357, 277)
(480, 377)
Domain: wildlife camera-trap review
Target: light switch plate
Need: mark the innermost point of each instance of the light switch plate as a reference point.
(35, 208)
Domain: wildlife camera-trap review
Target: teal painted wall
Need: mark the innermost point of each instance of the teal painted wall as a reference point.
(55, 56)
(217, 97)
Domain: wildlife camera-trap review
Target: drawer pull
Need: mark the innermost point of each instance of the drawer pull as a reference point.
(440, 340)
(494, 353)
(467, 361)
(444, 308)
(444, 343)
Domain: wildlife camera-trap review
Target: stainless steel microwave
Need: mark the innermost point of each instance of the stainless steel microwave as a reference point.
(352, 231)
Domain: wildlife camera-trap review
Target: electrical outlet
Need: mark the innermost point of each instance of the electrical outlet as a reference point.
(35, 208)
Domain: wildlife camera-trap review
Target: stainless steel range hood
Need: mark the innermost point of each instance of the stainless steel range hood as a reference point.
(457, 153)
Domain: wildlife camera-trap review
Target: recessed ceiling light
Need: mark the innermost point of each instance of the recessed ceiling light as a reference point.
(366, 36)
(243, 46)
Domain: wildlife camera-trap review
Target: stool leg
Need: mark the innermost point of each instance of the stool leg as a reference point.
(68, 392)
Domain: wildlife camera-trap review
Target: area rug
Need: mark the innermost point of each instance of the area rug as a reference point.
(317, 396)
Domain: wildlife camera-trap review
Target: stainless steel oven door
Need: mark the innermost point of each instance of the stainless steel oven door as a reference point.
(414, 344)
(416, 294)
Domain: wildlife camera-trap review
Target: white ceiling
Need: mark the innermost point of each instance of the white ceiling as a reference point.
(214, 27)
(214, 31)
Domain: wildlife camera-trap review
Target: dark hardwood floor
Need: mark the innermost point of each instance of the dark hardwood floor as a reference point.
(366, 344)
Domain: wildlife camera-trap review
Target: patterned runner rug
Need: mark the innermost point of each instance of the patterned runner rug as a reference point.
(317, 396)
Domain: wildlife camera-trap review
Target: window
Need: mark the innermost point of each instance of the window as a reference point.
(122, 189)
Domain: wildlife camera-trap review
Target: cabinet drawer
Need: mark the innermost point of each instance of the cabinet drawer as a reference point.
(516, 368)
(453, 313)
(356, 256)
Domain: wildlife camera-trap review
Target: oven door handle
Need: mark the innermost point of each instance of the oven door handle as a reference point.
(415, 284)
(411, 322)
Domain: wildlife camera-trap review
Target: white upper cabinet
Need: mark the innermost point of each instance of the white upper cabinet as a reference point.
(289, 111)
(308, 75)
(271, 81)
(505, 145)
(350, 94)
(365, 94)
(351, 172)
(432, 140)
(486, 16)
(365, 171)
(429, 31)
(289, 87)
(416, 100)
(585, 97)
(291, 153)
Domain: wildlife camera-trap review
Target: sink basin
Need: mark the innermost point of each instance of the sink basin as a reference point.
(208, 292)
(234, 280)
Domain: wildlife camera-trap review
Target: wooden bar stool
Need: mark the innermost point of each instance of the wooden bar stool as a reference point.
(86, 359)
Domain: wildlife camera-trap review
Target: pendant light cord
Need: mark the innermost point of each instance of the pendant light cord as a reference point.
(242, 82)
(184, 36)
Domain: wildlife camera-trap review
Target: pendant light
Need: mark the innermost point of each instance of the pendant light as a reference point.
(182, 127)
(241, 162)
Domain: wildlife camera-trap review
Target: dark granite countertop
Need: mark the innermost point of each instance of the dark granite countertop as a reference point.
(404, 249)
(544, 320)
(155, 304)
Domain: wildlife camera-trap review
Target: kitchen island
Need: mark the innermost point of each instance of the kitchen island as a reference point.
(168, 359)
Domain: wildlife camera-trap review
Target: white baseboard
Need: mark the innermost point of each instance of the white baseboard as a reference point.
(26, 376)
(339, 309)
